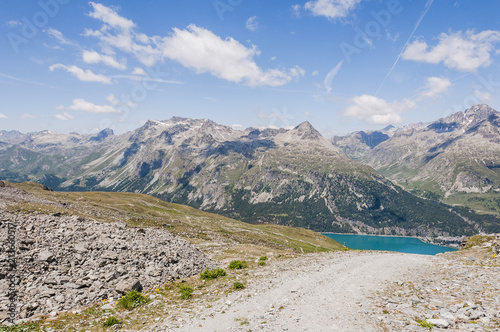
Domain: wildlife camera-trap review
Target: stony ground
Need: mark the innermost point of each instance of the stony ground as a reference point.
(357, 291)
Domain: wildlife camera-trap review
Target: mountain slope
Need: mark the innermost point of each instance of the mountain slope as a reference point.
(456, 155)
(290, 177)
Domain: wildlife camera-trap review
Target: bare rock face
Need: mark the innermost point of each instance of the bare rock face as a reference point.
(65, 262)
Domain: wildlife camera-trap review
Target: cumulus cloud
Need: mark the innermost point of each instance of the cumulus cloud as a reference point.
(194, 47)
(462, 51)
(376, 110)
(331, 75)
(109, 16)
(3, 116)
(434, 87)
(81, 104)
(331, 9)
(252, 24)
(64, 117)
(94, 57)
(205, 52)
(81, 74)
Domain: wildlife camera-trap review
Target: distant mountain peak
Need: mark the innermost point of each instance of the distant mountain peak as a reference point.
(481, 111)
(307, 131)
(102, 135)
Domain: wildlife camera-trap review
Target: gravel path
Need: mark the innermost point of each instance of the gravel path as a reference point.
(322, 292)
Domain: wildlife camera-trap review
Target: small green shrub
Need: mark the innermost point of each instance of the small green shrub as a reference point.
(212, 274)
(238, 265)
(186, 292)
(23, 327)
(424, 324)
(131, 300)
(238, 285)
(111, 321)
(262, 263)
(263, 258)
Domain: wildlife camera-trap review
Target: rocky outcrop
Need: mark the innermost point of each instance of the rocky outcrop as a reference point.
(64, 262)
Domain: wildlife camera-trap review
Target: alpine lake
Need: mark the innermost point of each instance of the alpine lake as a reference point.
(409, 245)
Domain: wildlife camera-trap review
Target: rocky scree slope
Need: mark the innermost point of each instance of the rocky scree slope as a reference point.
(64, 262)
(293, 177)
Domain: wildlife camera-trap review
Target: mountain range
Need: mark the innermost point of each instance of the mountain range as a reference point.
(455, 159)
(291, 177)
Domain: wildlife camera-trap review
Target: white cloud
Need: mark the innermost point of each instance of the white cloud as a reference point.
(314, 73)
(94, 57)
(148, 79)
(484, 96)
(331, 75)
(434, 86)
(331, 9)
(109, 16)
(205, 52)
(28, 116)
(194, 47)
(14, 23)
(139, 71)
(64, 117)
(462, 51)
(82, 75)
(54, 47)
(252, 24)
(113, 100)
(3, 116)
(296, 10)
(307, 113)
(376, 110)
(82, 105)
(59, 36)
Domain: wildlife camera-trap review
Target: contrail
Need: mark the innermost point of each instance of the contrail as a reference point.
(329, 77)
(426, 9)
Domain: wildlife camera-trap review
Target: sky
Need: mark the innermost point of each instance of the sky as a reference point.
(343, 65)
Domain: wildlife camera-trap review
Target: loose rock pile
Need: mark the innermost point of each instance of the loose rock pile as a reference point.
(460, 294)
(64, 262)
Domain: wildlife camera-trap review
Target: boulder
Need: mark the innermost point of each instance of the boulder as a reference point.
(441, 323)
(127, 285)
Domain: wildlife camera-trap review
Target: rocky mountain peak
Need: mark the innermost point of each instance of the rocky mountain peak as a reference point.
(102, 135)
(307, 131)
(479, 111)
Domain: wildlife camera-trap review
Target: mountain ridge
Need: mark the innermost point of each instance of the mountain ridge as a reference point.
(293, 177)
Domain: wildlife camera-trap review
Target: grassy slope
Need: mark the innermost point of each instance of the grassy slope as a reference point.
(210, 232)
(221, 238)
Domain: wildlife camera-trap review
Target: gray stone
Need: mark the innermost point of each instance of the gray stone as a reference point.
(46, 256)
(128, 285)
(439, 323)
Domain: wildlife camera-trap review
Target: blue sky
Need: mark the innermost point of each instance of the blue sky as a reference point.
(343, 65)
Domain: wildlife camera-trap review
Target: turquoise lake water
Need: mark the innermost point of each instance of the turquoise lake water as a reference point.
(409, 245)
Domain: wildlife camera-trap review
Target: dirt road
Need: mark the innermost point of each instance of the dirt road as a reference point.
(324, 292)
